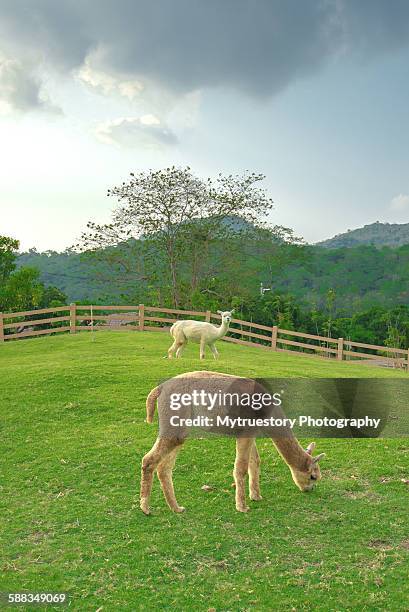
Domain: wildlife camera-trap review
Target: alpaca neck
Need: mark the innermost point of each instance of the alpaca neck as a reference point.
(223, 329)
(291, 451)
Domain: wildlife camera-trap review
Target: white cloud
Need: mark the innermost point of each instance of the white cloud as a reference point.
(146, 131)
(400, 203)
(149, 120)
(108, 83)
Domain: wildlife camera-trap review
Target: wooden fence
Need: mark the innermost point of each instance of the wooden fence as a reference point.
(77, 318)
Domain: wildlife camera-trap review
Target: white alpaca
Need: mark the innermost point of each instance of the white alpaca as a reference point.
(198, 331)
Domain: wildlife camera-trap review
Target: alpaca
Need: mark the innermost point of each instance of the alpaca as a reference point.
(199, 331)
(161, 458)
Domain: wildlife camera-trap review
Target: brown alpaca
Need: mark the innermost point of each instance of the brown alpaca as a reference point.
(162, 456)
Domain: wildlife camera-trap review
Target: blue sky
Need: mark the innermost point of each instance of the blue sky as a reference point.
(320, 110)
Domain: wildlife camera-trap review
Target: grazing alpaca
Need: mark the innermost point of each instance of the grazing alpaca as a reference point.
(198, 331)
(161, 458)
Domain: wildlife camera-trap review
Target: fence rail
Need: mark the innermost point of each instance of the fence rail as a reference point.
(78, 318)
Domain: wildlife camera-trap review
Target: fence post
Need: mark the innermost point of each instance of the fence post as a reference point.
(340, 354)
(274, 333)
(73, 317)
(141, 317)
(208, 315)
(1, 327)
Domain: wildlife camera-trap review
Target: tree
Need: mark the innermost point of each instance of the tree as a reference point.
(175, 218)
(330, 312)
(52, 296)
(22, 289)
(8, 253)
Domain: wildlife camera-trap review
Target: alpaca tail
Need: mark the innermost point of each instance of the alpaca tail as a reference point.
(150, 404)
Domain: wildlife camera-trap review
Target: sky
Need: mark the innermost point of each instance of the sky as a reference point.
(314, 94)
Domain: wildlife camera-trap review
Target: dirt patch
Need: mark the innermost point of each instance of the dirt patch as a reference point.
(380, 544)
(368, 495)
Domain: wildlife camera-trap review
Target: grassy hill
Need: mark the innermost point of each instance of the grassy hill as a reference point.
(73, 434)
(377, 234)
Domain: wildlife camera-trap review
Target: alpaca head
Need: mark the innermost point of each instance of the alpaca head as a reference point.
(226, 315)
(306, 479)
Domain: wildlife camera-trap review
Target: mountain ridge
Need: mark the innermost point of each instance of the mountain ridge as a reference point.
(373, 234)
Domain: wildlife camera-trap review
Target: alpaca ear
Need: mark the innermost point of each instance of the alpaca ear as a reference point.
(232, 311)
(220, 312)
(310, 448)
(318, 457)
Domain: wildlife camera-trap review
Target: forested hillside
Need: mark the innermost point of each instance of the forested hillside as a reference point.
(73, 274)
(378, 234)
(361, 277)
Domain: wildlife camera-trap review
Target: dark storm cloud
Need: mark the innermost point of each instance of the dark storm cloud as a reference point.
(258, 46)
(20, 87)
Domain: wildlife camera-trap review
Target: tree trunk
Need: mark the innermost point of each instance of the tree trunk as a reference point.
(173, 275)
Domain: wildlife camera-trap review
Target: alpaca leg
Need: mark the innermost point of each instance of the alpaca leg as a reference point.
(172, 349)
(214, 351)
(161, 448)
(164, 470)
(254, 473)
(241, 465)
(202, 349)
(181, 346)
(179, 341)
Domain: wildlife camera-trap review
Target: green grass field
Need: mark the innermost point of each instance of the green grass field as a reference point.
(72, 437)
